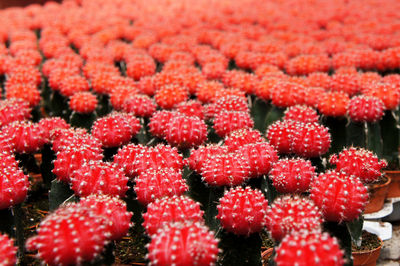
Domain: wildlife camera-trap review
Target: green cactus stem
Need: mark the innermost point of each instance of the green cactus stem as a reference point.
(45, 92)
(46, 167)
(211, 135)
(337, 129)
(207, 196)
(18, 215)
(11, 224)
(259, 112)
(355, 230)
(104, 106)
(239, 250)
(59, 105)
(144, 136)
(82, 120)
(340, 231)
(122, 67)
(274, 114)
(366, 135)
(60, 192)
(268, 189)
(390, 137)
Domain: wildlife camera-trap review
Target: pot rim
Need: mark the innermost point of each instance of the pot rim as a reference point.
(392, 171)
(389, 179)
(369, 251)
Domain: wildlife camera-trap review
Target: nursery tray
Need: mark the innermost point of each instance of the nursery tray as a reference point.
(395, 215)
(386, 210)
(394, 200)
(381, 229)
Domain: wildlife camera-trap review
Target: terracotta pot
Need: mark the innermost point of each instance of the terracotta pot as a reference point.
(266, 254)
(367, 258)
(377, 196)
(394, 186)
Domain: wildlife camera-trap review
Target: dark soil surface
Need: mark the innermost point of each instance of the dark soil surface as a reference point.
(369, 242)
(382, 180)
(128, 251)
(267, 242)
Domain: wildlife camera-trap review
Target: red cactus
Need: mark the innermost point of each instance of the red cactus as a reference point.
(74, 138)
(313, 96)
(285, 94)
(113, 210)
(228, 169)
(280, 135)
(8, 251)
(146, 85)
(83, 102)
(340, 197)
(198, 157)
(309, 248)
(334, 103)
(305, 64)
(185, 131)
(158, 183)
(366, 109)
(311, 140)
(97, 177)
(140, 66)
(261, 156)
(71, 159)
(206, 90)
(292, 213)
(359, 162)
(14, 183)
(265, 86)
(139, 105)
(240, 79)
(292, 175)
(6, 145)
(170, 209)
(12, 110)
(73, 84)
(319, 79)
(242, 210)
(388, 93)
(160, 156)
(158, 122)
(119, 94)
(348, 83)
(231, 103)
(191, 108)
(70, 235)
(126, 157)
(51, 123)
(301, 113)
(26, 136)
(28, 92)
(181, 244)
(116, 129)
(226, 122)
(240, 137)
(169, 96)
